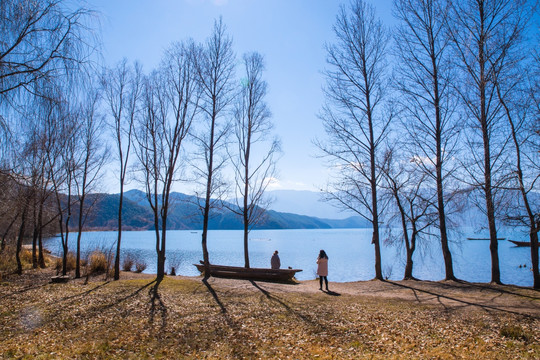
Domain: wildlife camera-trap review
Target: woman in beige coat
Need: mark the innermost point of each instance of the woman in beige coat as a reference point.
(322, 269)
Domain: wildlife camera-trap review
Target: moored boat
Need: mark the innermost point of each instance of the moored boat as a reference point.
(520, 243)
(236, 272)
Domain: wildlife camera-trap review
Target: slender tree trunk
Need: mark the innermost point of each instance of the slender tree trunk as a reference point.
(488, 191)
(206, 214)
(4, 236)
(533, 226)
(490, 210)
(534, 255)
(35, 235)
(246, 198)
(161, 250)
(160, 263)
(373, 183)
(66, 247)
(119, 240)
(41, 258)
(20, 239)
(79, 235)
(410, 251)
(246, 238)
(447, 254)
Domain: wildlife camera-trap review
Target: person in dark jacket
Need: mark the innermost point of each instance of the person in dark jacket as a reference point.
(275, 263)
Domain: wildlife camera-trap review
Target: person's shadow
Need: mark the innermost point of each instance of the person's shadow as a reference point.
(331, 293)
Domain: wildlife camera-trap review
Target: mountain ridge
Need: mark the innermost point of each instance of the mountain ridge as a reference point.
(184, 214)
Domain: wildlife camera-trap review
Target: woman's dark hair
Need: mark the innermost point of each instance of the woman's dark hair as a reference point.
(322, 255)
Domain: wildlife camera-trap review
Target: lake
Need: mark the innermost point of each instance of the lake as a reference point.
(351, 254)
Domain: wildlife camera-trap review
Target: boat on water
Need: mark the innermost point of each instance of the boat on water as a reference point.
(520, 243)
(236, 272)
(470, 238)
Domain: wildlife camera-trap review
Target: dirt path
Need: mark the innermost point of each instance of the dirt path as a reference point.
(449, 294)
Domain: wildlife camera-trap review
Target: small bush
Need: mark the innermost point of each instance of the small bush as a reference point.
(514, 332)
(128, 262)
(26, 256)
(98, 262)
(140, 266)
(7, 260)
(173, 262)
(71, 261)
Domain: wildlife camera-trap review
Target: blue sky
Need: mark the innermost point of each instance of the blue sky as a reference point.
(290, 34)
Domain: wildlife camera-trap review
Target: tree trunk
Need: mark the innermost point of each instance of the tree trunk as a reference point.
(41, 258)
(78, 259)
(20, 239)
(409, 264)
(79, 234)
(375, 211)
(206, 213)
(119, 240)
(490, 209)
(246, 210)
(447, 255)
(161, 256)
(35, 235)
(6, 233)
(534, 255)
(409, 247)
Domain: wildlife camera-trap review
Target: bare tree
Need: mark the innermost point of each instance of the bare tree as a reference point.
(354, 117)
(512, 92)
(41, 40)
(91, 158)
(59, 148)
(215, 68)
(406, 182)
(423, 79)
(122, 93)
(254, 165)
(40, 177)
(170, 104)
(484, 34)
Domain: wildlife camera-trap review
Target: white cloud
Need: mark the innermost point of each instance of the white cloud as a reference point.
(277, 184)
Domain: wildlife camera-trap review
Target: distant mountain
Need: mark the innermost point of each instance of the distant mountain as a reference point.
(308, 203)
(185, 214)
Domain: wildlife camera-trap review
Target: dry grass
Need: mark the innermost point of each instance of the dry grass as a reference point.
(237, 319)
(140, 266)
(98, 262)
(71, 262)
(8, 264)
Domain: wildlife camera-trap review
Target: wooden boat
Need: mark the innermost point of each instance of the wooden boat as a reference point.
(520, 243)
(470, 238)
(236, 272)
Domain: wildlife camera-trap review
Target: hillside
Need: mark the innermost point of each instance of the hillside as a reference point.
(185, 215)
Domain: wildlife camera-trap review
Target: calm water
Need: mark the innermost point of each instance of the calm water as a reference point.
(350, 251)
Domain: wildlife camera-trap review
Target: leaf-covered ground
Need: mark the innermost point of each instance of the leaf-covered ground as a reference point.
(250, 320)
